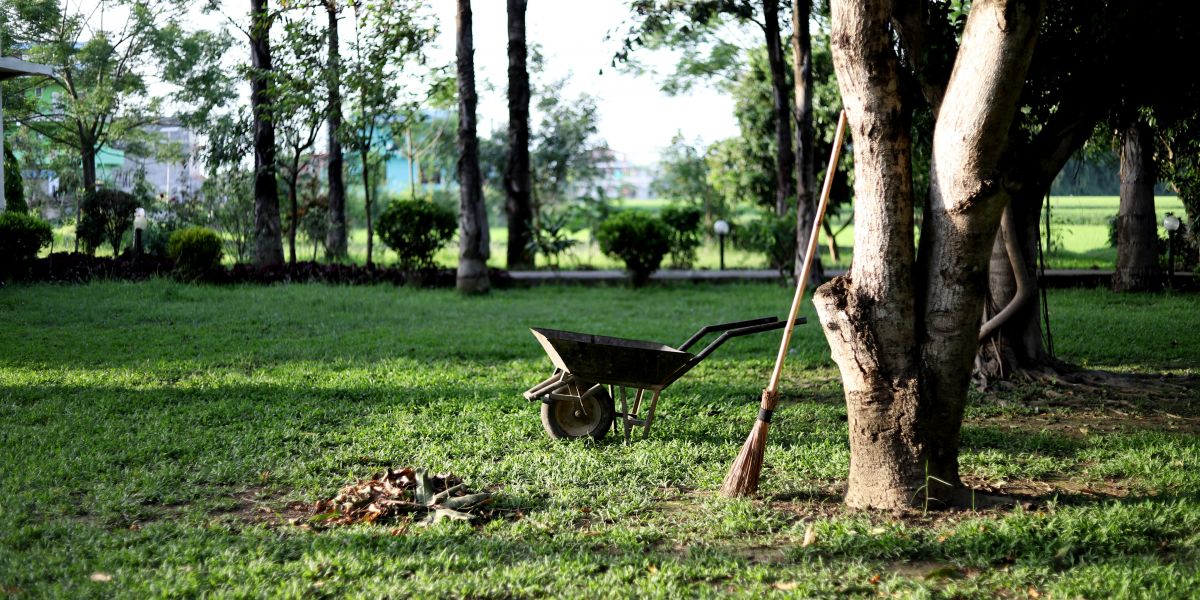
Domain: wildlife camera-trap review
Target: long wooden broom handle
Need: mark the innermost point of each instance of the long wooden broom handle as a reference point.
(802, 281)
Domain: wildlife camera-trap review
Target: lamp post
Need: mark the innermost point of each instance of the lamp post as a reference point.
(1171, 224)
(721, 228)
(139, 225)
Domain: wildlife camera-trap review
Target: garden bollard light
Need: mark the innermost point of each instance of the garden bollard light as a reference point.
(1171, 224)
(721, 228)
(139, 225)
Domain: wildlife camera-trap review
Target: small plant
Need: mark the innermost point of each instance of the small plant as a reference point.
(105, 216)
(772, 236)
(551, 237)
(196, 251)
(416, 230)
(637, 238)
(21, 238)
(684, 221)
(14, 186)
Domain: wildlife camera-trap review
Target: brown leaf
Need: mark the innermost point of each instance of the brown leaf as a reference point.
(1034, 593)
(874, 580)
(100, 577)
(810, 536)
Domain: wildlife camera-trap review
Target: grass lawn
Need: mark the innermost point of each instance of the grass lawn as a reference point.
(162, 435)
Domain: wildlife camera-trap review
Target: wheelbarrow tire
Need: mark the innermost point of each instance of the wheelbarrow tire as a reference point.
(567, 420)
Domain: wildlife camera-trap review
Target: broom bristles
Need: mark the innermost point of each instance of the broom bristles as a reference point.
(742, 479)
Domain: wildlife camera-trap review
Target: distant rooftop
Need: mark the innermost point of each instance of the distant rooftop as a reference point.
(15, 67)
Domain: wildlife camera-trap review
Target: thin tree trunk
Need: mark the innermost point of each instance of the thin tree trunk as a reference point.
(367, 202)
(784, 156)
(905, 345)
(412, 172)
(335, 237)
(295, 209)
(472, 215)
(805, 160)
(1137, 233)
(87, 153)
(516, 170)
(268, 242)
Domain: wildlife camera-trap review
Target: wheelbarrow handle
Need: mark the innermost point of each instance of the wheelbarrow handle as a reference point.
(769, 325)
(707, 329)
(732, 333)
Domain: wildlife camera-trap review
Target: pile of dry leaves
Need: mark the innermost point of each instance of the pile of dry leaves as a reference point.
(402, 495)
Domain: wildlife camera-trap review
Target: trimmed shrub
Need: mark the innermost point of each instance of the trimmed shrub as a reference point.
(684, 221)
(637, 238)
(772, 236)
(196, 252)
(21, 238)
(14, 186)
(105, 216)
(416, 230)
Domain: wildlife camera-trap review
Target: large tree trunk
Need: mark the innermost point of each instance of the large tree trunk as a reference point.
(784, 156)
(335, 238)
(806, 209)
(904, 334)
(1137, 233)
(268, 240)
(472, 214)
(869, 314)
(516, 171)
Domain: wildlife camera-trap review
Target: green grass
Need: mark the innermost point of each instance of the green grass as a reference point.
(159, 432)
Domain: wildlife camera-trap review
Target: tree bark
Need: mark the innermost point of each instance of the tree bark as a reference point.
(868, 314)
(87, 154)
(1018, 344)
(268, 241)
(805, 161)
(904, 333)
(335, 237)
(967, 198)
(473, 249)
(368, 203)
(1137, 226)
(784, 156)
(516, 170)
(295, 210)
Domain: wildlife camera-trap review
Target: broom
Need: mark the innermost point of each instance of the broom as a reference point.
(742, 479)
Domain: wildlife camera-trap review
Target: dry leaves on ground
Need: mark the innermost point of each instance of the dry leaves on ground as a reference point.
(405, 495)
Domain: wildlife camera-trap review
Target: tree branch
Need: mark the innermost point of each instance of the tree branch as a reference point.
(927, 48)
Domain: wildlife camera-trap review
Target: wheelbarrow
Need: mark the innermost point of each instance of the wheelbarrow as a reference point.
(591, 370)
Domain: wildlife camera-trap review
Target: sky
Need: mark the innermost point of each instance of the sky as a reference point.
(636, 118)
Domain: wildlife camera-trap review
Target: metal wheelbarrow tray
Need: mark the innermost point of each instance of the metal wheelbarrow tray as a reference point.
(591, 370)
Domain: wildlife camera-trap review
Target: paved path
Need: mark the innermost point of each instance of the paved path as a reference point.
(1054, 277)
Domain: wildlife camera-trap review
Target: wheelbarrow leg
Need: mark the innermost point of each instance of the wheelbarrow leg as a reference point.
(650, 414)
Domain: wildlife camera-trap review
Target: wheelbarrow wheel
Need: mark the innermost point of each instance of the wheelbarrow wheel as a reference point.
(573, 419)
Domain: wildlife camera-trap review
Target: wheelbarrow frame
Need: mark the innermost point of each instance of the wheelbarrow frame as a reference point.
(558, 386)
